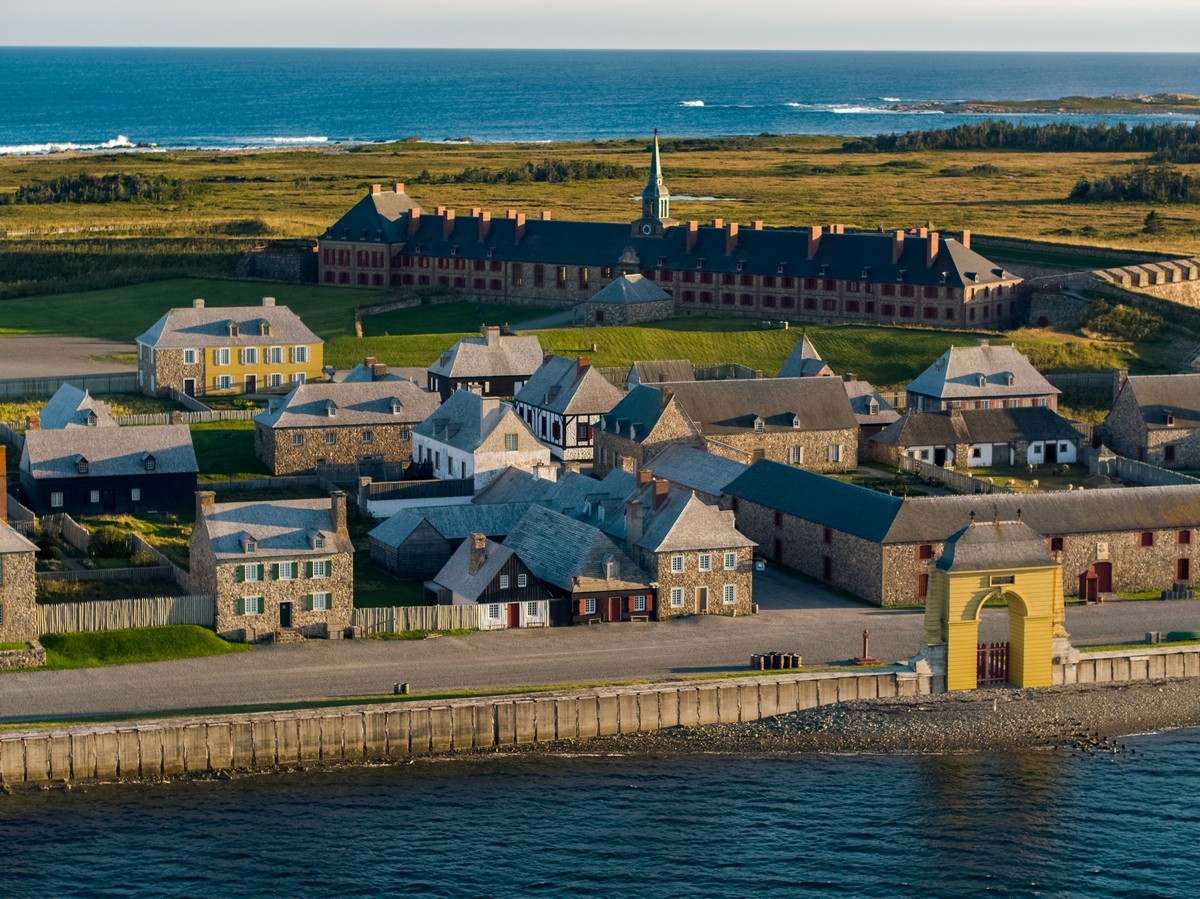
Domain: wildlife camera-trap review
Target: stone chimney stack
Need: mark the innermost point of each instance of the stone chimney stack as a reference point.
(491, 334)
(634, 518)
(399, 187)
(666, 392)
(478, 553)
(485, 225)
(32, 423)
(897, 246)
(268, 301)
(545, 215)
(731, 238)
(337, 511)
(932, 247)
(375, 190)
(414, 220)
(965, 240)
(660, 494)
(520, 230)
(719, 224)
(197, 303)
(814, 240)
(693, 231)
(644, 477)
(447, 224)
(205, 500)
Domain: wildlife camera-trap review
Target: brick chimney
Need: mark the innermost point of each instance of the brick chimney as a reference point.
(205, 500)
(582, 364)
(931, 249)
(447, 224)
(731, 237)
(634, 518)
(414, 220)
(399, 187)
(965, 240)
(485, 224)
(478, 553)
(837, 229)
(693, 231)
(756, 225)
(337, 511)
(718, 224)
(897, 246)
(545, 215)
(376, 190)
(644, 477)
(197, 303)
(814, 240)
(441, 210)
(660, 494)
(520, 229)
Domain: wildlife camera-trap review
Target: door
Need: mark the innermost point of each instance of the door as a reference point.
(614, 608)
(939, 456)
(827, 568)
(1183, 569)
(108, 500)
(251, 383)
(1051, 455)
(514, 614)
(1104, 576)
(702, 599)
(189, 386)
(285, 614)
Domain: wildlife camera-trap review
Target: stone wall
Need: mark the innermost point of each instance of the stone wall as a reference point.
(267, 741)
(692, 578)
(33, 656)
(18, 605)
(278, 450)
(777, 446)
(332, 621)
(632, 314)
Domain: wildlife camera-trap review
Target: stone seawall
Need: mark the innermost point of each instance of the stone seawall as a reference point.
(272, 740)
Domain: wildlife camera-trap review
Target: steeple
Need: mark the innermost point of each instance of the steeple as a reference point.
(656, 199)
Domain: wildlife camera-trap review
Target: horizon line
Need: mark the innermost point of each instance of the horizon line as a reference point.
(542, 49)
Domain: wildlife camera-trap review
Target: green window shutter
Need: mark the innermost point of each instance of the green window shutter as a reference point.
(239, 575)
(258, 569)
(308, 602)
(274, 571)
(308, 569)
(240, 606)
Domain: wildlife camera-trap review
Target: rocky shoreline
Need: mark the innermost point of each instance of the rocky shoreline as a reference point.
(1087, 717)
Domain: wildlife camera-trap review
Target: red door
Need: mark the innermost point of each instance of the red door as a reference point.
(614, 608)
(514, 614)
(1104, 575)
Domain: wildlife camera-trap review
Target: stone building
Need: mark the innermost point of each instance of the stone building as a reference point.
(807, 422)
(1156, 419)
(980, 377)
(703, 474)
(819, 273)
(275, 567)
(486, 573)
(496, 364)
(979, 438)
(562, 402)
(228, 350)
(880, 547)
(630, 299)
(367, 425)
(805, 362)
(18, 587)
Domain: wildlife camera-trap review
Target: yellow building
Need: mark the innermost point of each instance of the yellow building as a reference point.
(1005, 560)
(226, 350)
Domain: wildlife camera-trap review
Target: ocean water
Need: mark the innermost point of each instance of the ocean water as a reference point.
(117, 98)
(1039, 823)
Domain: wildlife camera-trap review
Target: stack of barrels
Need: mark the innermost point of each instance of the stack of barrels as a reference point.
(774, 661)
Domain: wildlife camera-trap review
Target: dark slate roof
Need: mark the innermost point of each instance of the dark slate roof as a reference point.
(804, 362)
(977, 426)
(515, 485)
(69, 408)
(109, 451)
(13, 542)
(995, 544)
(352, 403)
(861, 393)
(490, 356)
(282, 528)
(686, 524)
(376, 212)
(724, 407)
(1156, 395)
(568, 387)
(452, 522)
(466, 419)
(557, 549)
(955, 375)
(925, 429)
(694, 469)
(826, 501)
(629, 290)
(658, 371)
(639, 409)
(209, 326)
(456, 573)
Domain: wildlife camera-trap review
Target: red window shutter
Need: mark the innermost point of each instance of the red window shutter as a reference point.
(629, 603)
(649, 602)
(582, 607)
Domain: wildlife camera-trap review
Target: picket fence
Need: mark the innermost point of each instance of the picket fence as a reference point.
(397, 619)
(119, 614)
(187, 418)
(141, 573)
(956, 481)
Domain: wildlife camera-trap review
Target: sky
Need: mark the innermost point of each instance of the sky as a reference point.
(1050, 25)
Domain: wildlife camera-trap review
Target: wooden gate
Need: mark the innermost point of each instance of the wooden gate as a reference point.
(992, 666)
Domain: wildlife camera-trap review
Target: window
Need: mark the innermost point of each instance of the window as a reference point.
(331, 437)
(189, 357)
(320, 568)
(1057, 544)
(510, 442)
(639, 603)
(1183, 537)
(285, 571)
(321, 602)
(249, 355)
(705, 562)
(504, 582)
(274, 354)
(223, 382)
(729, 594)
(795, 455)
(677, 564)
(94, 496)
(925, 552)
(730, 561)
(1169, 453)
(298, 438)
(368, 437)
(583, 431)
(494, 611)
(251, 572)
(833, 452)
(56, 499)
(522, 580)
(135, 494)
(275, 380)
(250, 605)
(676, 597)
(221, 356)
(922, 585)
(1183, 569)
(299, 354)
(1147, 538)
(589, 606)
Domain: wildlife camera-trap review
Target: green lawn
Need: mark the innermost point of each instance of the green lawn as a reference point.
(225, 450)
(127, 647)
(376, 589)
(168, 533)
(442, 318)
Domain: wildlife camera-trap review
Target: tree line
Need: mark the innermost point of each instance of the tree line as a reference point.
(1167, 142)
(1141, 184)
(116, 188)
(548, 170)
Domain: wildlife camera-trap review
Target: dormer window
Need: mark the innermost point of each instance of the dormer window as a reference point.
(866, 273)
(612, 569)
(700, 262)
(491, 251)
(739, 266)
(900, 275)
(249, 545)
(149, 462)
(982, 380)
(1171, 419)
(454, 251)
(758, 425)
(796, 421)
(873, 408)
(600, 513)
(1010, 378)
(944, 276)
(330, 408)
(264, 329)
(318, 541)
(396, 406)
(91, 419)
(232, 329)
(779, 268)
(81, 465)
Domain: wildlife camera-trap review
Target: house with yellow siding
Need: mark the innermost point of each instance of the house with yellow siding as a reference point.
(228, 350)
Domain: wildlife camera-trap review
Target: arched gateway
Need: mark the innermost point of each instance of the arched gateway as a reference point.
(1001, 559)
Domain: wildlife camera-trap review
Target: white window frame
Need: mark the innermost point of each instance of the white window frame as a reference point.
(56, 499)
(730, 561)
(531, 609)
(510, 443)
(589, 605)
(275, 379)
(223, 382)
(494, 611)
(297, 438)
(522, 580)
(729, 594)
(833, 452)
(676, 597)
(300, 353)
(253, 605)
(639, 603)
(276, 355)
(504, 582)
(677, 563)
(321, 601)
(249, 355)
(252, 573)
(796, 455)
(189, 357)
(320, 569)
(368, 436)
(704, 562)
(287, 571)
(331, 438)
(298, 377)
(135, 494)
(94, 496)
(221, 356)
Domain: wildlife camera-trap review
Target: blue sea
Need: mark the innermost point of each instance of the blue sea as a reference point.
(122, 98)
(1040, 823)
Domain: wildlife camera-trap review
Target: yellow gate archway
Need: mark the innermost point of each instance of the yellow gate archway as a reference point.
(1002, 559)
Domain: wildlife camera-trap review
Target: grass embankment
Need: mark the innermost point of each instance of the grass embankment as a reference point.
(128, 647)
(169, 534)
(225, 451)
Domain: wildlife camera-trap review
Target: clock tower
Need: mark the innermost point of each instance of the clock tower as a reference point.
(656, 200)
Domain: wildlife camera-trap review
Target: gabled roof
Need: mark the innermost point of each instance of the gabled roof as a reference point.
(629, 290)
(281, 528)
(492, 355)
(686, 524)
(456, 574)
(804, 362)
(640, 409)
(1157, 395)
(957, 372)
(725, 407)
(925, 429)
(977, 426)
(452, 522)
(13, 542)
(694, 469)
(861, 395)
(208, 326)
(515, 485)
(995, 544)
(659, 371)
(466, 420)
(376, 212)
(571, 554)
(353, 404)
(109, 452)
(569, 387)
(70, 407)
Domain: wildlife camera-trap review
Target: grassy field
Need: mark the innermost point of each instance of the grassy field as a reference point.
(169, 534)
(127, 647)
(225, 450)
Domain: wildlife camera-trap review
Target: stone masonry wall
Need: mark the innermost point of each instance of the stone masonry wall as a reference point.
(339, 584)
(169, 370)
(17, 598)
(1125, 428)
(777, 446)
(277, 449)
(741, 577)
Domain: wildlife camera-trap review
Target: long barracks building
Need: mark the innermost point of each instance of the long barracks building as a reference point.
(825, 273)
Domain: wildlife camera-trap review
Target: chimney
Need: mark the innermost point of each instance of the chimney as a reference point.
(376, 189)
(660, 494)
(545, 215)
(369, 362)
(634, 511)
(441, 210)
(379, 371)
(414, 220)
(205, 500)
(475, 210)
(478, 553)
(922, 232)
(931, 249)
(718, 223)
(32, 423)
(337, 511)
(756, 226)
(520, 232)
(965, 239)
(693, 231)
(644, 477)
(491, 334)
(197, 303)
(485, 224)
(582, 364)
(814, 240)
(268, 301)
(666, 393)
(448, 224)
(731, 232)
(399, 187)
(837, 229)
(897, 246)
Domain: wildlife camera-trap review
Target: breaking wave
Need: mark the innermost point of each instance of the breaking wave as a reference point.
(120, 142)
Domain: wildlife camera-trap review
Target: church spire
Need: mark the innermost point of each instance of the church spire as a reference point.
(656, 199)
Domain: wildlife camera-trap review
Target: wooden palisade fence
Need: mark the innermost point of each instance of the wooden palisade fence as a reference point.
(118, 614)
(397, 619)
